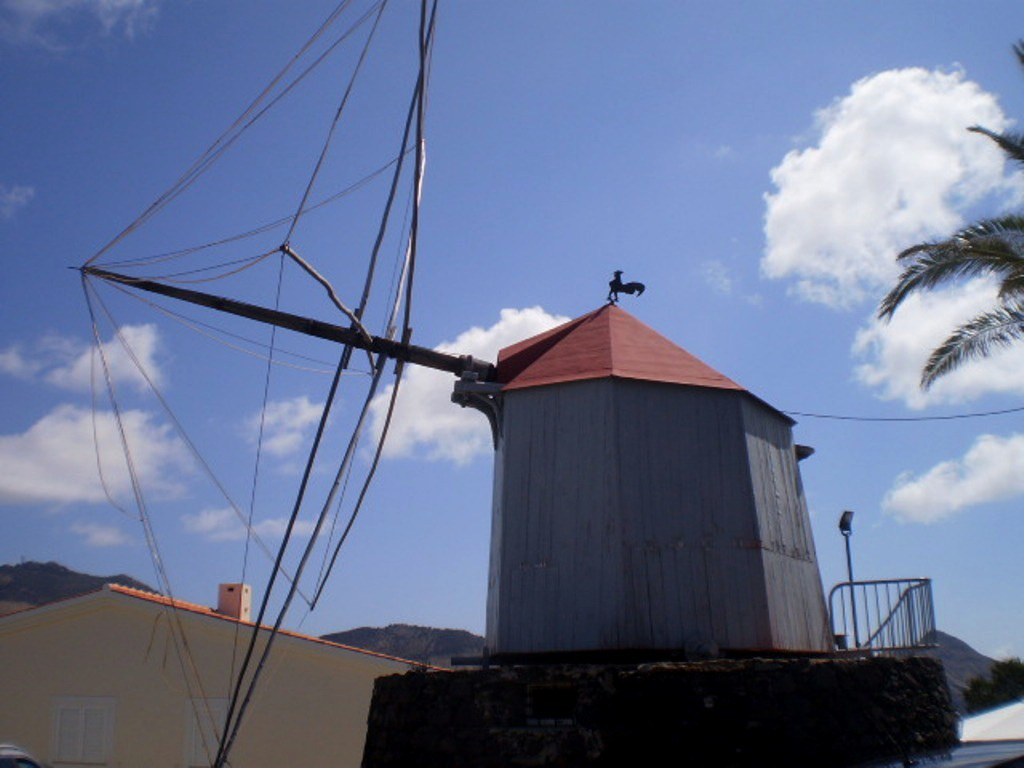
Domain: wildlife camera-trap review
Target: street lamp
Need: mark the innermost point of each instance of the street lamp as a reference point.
(846, 528)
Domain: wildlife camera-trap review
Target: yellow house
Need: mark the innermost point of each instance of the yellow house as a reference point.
(121, 677)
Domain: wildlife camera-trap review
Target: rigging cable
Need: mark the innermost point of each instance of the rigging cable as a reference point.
(182, 433)
(233, 721)
(334, 124)
(349, 453)
(186, 180)
(399, 367)
(96, 438)
(259, 230)
(181, 645)
(286, 248)
(234, 132)
(396, 177)
(256, 466)
(389, 332)
(226, 741)
(327, 567)
(421, 159)
(234, 725)
(371, 269)
(246, 263)
(400, 364)
(197, 326)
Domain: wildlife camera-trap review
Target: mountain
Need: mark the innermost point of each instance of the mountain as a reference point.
(32, 583)
(961, 663)
(407, 641)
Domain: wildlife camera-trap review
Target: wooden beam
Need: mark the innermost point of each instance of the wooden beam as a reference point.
(410, 353)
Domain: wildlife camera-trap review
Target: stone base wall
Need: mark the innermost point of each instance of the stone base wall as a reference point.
(754, 712)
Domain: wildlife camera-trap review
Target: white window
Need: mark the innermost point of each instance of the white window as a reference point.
(204, 720)
(83, 729)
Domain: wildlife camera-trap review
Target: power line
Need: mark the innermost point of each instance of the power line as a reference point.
(906, 419)
(897, 419)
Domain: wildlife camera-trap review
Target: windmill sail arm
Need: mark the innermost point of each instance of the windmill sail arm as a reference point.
(396, 350)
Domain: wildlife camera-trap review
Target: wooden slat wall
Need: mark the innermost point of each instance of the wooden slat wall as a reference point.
(798, 616)
(497, 563)
(626, 515)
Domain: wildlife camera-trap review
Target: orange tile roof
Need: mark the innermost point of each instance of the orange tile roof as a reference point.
(206, 611)
(203, 610)
(606, 342)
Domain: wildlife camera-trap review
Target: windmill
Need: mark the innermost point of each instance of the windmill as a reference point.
(644, 504)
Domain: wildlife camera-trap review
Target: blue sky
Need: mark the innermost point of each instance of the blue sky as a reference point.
(756, 164)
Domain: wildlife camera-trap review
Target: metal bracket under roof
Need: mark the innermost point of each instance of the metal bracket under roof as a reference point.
(483, 396)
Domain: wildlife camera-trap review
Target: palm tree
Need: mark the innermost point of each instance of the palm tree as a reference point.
(989, 247)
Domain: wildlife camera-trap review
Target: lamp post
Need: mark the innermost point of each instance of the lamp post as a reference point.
(846, 528)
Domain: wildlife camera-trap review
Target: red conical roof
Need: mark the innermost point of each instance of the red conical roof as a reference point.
(606, 342)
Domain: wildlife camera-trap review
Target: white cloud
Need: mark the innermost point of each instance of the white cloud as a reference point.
(216, 524)
(69, 363)
(59, 24)
(224, 524)
(100, 536)
(54, 461)
(893, 165)
(894, 353)
(14, 363)
(720, 279)
(426, 422)
(129, 16)
(134, 343)
(285, 424)
(989, 471)
(13, 199)
(724, 152)
(717, 276)
(274, 527)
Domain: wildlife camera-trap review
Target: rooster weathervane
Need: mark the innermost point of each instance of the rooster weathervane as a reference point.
(616, 286)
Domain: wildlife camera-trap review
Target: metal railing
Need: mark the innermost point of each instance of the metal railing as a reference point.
(884, 615)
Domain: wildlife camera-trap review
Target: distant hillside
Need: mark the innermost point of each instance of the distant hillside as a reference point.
(32, 583)
(961, 662)
(426, 644)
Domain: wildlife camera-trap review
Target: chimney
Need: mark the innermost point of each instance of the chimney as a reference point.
(235, 600)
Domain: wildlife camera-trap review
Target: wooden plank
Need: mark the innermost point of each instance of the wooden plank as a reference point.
(389, 348)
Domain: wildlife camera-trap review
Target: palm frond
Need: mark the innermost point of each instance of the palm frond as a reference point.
(973, 253)
(1011, 288)
(1011, 143)
(991, 247)
(1010, 227)
(975, 338)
